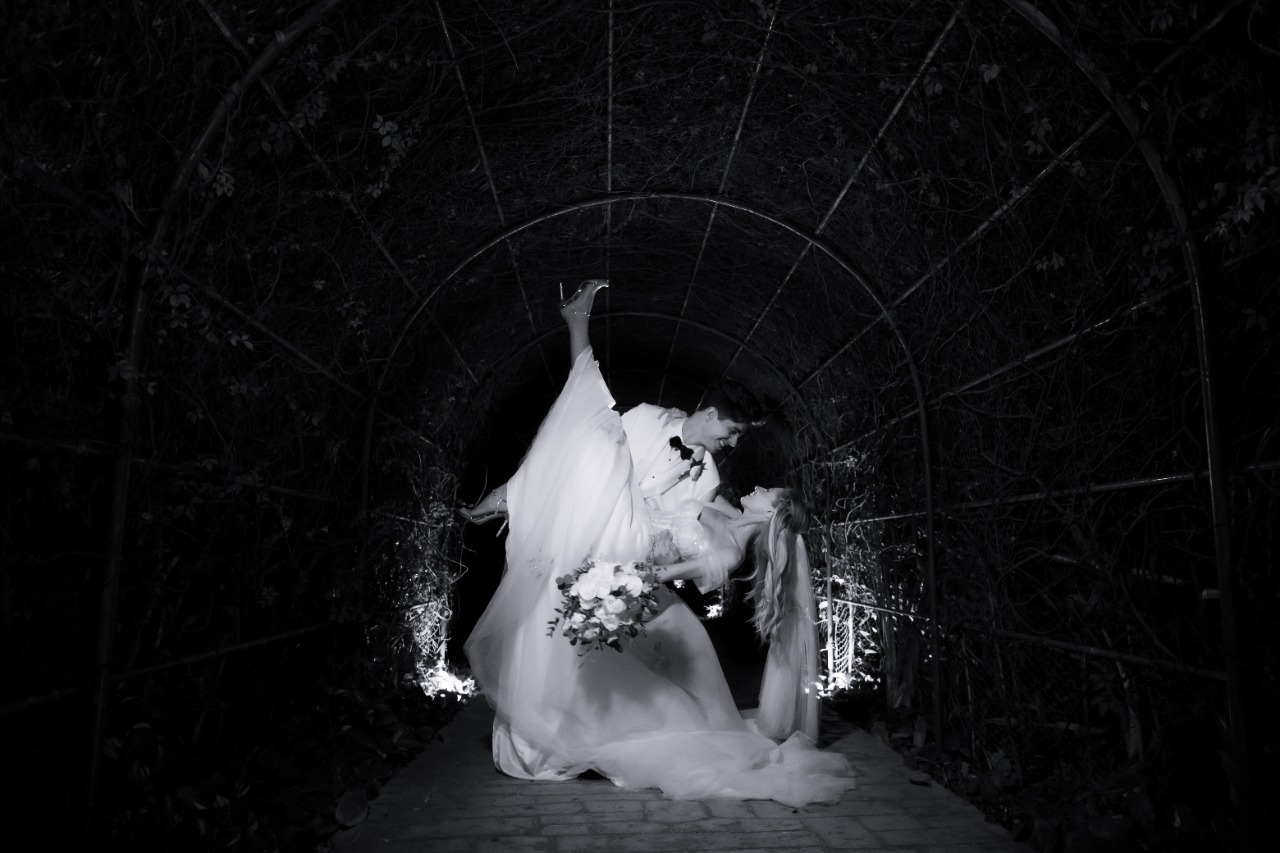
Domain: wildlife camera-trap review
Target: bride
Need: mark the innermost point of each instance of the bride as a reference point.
(660, 713)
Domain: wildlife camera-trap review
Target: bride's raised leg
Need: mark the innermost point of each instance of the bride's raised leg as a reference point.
(576, 311)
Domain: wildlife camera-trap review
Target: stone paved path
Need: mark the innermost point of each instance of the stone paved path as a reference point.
(452, 800)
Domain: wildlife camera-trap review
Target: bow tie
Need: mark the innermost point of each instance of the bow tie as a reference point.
(684, 451)
(695, 465)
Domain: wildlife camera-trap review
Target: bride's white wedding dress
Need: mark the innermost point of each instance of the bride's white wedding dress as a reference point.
(658, 714)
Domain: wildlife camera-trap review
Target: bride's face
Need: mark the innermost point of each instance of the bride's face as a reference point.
(761, 500)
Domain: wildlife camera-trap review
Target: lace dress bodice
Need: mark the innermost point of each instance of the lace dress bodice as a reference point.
(687, 532)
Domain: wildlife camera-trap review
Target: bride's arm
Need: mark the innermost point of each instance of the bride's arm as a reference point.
(722, 506)
(708, 571)
(687, 570)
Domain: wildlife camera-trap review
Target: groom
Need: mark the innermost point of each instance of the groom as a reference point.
(673, 453)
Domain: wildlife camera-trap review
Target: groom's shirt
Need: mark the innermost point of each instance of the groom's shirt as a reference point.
(665, 477)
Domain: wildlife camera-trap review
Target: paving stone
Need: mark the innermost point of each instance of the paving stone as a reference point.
(734, 826)
(556, 830)
(891, 821)
(564, 794)
(417, 845)
(599, 813)
(967, 817)
(504, 810)
(605, 829)
(849, 807)
(606, 807)
(1007, 845)
(517, 844)
(745, 825)
(675, 842)
(465, 827)
(789, 850)
(768, 808)
(452, 800)
(729, 808)
(672, 811)
(949, 836)
(842, 833)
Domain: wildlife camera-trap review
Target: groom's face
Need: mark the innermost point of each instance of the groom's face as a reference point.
(717, 435)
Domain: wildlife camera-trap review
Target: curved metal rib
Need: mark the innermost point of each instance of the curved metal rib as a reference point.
(853, 177)
(484, 158)
(1241, 787)
(711, 219)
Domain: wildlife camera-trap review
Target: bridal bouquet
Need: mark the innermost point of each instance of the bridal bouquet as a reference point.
(605, 601)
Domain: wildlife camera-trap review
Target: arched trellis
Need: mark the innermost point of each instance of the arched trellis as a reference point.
(812, 240)
(1206, 377)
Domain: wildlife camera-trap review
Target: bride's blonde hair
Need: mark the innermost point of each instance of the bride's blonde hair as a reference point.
(775, 561)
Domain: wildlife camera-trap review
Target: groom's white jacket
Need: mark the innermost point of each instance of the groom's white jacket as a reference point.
(665, 479)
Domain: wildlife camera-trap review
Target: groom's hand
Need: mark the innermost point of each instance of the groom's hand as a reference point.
(664, 552)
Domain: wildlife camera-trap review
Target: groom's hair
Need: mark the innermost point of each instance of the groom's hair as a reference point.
(733, 402)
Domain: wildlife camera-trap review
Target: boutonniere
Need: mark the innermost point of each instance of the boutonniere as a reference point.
(695, 465)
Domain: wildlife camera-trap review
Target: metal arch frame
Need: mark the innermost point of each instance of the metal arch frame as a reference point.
(483, 152)
(711, 219)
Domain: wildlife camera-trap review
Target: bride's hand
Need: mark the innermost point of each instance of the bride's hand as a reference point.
(663, 551)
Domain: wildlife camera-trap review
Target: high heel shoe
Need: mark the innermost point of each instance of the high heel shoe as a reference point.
(471, 516)
(580, 302)
(476, 515)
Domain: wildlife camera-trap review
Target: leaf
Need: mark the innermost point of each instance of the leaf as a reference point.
(1142, 811)
(353, 808)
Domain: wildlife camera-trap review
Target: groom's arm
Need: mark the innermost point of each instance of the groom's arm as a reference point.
(644, 425)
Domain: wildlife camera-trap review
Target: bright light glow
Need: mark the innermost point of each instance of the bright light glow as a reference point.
(424, 571)
(440, 680)
(849, 627)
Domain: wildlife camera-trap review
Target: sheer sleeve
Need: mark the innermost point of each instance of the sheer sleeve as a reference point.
(715, 567)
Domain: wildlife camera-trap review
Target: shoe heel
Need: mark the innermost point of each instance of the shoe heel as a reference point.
(598, 284)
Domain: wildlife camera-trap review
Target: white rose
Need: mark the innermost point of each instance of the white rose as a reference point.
(594, 583)
(614, 605)
(632, 585)
(577, 619)
(610, 623)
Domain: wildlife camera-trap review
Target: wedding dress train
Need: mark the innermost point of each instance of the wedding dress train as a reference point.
(660, 713)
